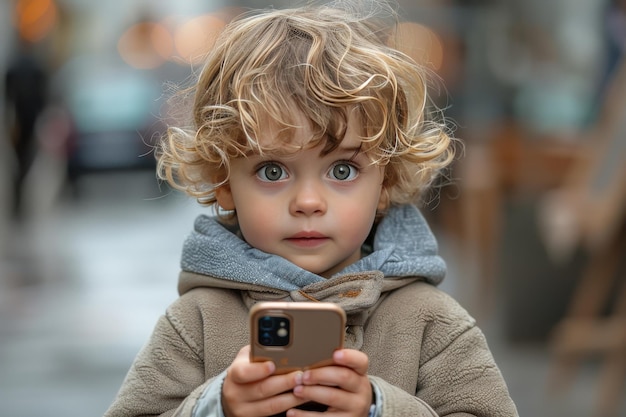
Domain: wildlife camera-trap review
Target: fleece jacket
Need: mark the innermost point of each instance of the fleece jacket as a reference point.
(427, 356)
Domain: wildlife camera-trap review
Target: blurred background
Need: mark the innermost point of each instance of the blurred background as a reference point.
(531, 225)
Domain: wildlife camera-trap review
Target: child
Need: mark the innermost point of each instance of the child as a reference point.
(311, 138)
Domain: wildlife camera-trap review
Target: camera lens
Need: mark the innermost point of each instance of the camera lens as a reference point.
(266, 323)
(266, 339)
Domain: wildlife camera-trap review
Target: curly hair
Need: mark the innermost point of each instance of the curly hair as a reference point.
(326, 64)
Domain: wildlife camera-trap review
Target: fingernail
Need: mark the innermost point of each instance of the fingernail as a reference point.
(306, 376)
(299, 378)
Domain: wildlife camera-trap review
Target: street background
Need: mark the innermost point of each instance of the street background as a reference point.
(89, 259)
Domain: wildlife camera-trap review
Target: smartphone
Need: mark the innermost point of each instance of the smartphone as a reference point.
(296, 335)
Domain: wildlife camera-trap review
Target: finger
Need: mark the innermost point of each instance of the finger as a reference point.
(270, 406)
(242, 371)
(353, 359)
(268, 396)
(336, 376)
(336, 398)
(332, 376)
(280, 403)
(276, 385)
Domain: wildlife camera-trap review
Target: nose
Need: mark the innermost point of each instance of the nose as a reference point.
(308, 199)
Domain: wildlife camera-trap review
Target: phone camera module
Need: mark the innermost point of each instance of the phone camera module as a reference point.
(274, 331)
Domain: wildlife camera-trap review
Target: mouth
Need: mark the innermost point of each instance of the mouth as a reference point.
(307, 239)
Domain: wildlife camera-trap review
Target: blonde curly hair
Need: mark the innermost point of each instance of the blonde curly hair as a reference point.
(324, 63)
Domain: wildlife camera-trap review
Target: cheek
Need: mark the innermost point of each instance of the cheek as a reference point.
(357, 219)
(256, 221)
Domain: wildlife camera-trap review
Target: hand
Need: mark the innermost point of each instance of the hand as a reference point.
(344, 387)
(251, 390)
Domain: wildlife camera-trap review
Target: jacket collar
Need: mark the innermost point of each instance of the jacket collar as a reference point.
(358, 294)
(403, 247)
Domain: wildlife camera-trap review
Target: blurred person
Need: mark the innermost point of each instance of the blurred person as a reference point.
(314, 141)
(615, 33)
(615, 45)
(25, 85)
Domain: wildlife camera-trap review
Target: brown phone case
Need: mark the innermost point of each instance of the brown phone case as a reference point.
(314, 330)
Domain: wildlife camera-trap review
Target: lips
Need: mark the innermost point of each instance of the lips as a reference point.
(308, 239)
(308, 235)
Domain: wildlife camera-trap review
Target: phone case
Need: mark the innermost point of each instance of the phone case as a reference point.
(314, 330)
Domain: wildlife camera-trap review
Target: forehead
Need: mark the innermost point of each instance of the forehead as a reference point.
(302, 133)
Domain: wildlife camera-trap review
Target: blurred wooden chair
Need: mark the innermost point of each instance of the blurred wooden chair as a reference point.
(508, 166)
(589, 211)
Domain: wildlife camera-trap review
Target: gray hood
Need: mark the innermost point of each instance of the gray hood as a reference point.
(404, 246)
(404, 251)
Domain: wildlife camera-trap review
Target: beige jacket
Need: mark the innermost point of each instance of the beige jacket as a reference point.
(427, 357)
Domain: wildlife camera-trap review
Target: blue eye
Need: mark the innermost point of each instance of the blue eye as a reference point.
(271, 172)
(343, 171)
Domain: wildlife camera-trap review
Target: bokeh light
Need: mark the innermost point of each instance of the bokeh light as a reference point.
(195, 37)
(146, 45)
(35, 19)
(420, 43)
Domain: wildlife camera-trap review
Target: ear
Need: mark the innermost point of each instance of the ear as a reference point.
(224, 197)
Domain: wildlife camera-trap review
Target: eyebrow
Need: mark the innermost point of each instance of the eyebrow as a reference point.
(350, 148)
(355, 149)
(343, 149)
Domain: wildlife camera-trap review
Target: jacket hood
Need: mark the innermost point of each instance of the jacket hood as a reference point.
(404, 246)
(404, 251)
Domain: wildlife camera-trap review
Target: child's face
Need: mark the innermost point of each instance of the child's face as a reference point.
(313, 210)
